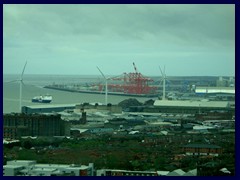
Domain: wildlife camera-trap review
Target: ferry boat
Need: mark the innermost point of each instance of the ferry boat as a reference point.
(42, 99)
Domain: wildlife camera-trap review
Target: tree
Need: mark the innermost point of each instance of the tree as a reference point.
(27, 144)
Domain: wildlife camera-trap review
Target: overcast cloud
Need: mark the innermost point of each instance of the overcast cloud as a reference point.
(74, 39)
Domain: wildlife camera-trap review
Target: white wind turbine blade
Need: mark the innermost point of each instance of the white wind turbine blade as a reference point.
(102, 73)
(161, 71)
(106, 86)
(160, 82)
(23, 69)
(13, 81)
(164, 71)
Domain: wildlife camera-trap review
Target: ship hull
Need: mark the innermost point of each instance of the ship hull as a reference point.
(41, 101)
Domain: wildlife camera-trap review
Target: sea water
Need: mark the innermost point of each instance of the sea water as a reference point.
(33, 86)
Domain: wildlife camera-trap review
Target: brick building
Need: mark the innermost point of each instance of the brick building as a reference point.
(202, 149)
(17, 125)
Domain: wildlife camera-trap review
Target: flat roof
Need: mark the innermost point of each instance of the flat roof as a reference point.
(127, 171)
(12, 166)
(66, 166)
(163, 173)
(51, 165)
(211, 87)
(44, 169)
(42, 106)
(229, 90)
(199, 104)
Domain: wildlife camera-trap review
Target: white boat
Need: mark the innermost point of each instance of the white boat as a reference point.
(42, 99)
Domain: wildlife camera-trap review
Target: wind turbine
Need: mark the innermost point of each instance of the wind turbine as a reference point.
(164, 81)
(21, 83)
(106, 86)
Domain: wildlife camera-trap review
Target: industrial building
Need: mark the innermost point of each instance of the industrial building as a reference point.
(47, 108)
(215, 90)
(223, 82)
(18, 125)
(192, 107)
(216, 93)
(50, 108)
(31, 168)
(193, 104)
(98, 108)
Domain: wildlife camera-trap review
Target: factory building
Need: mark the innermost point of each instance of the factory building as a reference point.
(215, 90)
(31, 168)
(50, 108)
(188, 107)
(222, 82)
(47, 108)
(98, 108)
(216, 93)
(18, 125)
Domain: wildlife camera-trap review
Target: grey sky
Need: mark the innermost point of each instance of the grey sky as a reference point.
(74, 39)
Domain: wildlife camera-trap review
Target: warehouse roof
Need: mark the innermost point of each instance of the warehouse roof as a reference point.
(177, 172)
(191, 173)
(162, 173)
(50, 106)
(229, 90)
(218, 104)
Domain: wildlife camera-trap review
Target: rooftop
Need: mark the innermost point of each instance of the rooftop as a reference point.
(229, 90)
(202, 146)
(42, 106)
(199, 104)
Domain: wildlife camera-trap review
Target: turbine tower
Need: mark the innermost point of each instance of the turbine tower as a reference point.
(164, 81)
(106, 86)
(21, 83)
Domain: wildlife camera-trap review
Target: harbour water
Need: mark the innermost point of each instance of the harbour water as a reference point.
(33, 86)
